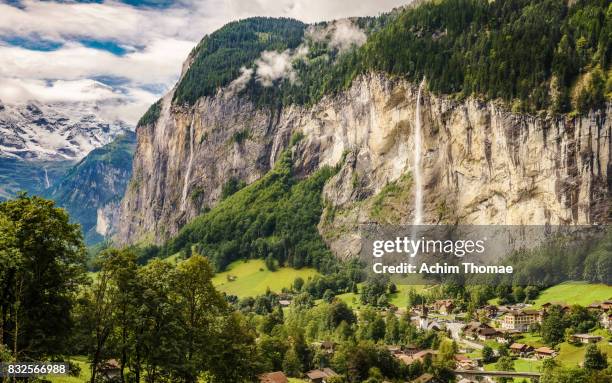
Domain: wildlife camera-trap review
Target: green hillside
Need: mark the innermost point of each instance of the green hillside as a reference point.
(575, 293)
(274, 218)
(251, 278)
(535, 55)
(220, 55)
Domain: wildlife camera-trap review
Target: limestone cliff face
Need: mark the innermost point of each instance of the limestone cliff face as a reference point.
(481, 164)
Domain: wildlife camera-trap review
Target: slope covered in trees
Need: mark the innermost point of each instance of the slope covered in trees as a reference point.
(218, 57)
(535, 55)
(274, 218)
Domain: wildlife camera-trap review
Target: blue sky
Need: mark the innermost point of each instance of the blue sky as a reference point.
(125, 53)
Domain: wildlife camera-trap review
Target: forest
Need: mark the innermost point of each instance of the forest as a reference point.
(533, 55)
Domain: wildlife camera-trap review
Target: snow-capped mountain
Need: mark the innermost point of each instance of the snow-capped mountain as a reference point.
(54, 132)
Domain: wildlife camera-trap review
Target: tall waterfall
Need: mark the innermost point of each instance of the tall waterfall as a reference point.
(189, 164)
(418, 176)
(47, 183)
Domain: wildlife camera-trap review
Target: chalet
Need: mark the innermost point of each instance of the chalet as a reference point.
(490, 311)
(603, 306)
(420, 356)
(506, 336)
(606, 305)
(110, 370)
(594, 306)
(479, 330)
(406, 359)
(320, 376)
(606, 320)
(444, 306)
(328, 346)
(273, 377)
(426, 378)
(395, 350)
(465, 363)
(545, 352)
(487, 334)
(284, 302)
(521, 320)
(520, 349)
(586, 338)
(411, 349)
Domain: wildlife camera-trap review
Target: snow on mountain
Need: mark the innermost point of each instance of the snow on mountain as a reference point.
(65, 131)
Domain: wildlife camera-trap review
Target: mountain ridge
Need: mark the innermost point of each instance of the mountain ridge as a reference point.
(513, 167)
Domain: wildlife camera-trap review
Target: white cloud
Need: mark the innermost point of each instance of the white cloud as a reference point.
(341, 34)
(239, 83)
(310, 10)
(157, 63)
(346, 35)
(19, 90)
(272, 66)
(126, 104)
(157, 42)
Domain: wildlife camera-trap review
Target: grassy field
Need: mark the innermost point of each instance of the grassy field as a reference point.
(252, 278)
(571, 356)
(533, 340)
(351, 299)
(399, 299)
(81, 361)
(580, 293)
(520, 365)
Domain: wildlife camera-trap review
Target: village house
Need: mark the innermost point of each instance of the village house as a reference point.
(545, 352)
(606, 305)
(520, 349)
(320, 376)
(420, 356)
(586, 338)
(465, 363)
(395, 350)
(490, 311)
(328, 346)
(411, 349)
(521, 320)
(487, 334)
(479, 330)
(506, 336)
(444, 306)
(406, 359)
(284, 302)
(594, 306)
(110, 370)
(273, 377)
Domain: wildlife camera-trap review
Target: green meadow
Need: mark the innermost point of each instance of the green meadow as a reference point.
(575, 293)
(249, 278)
(85, 375)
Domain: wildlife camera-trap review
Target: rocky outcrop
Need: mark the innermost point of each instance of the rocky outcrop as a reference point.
(92, 189)
(481, 163)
